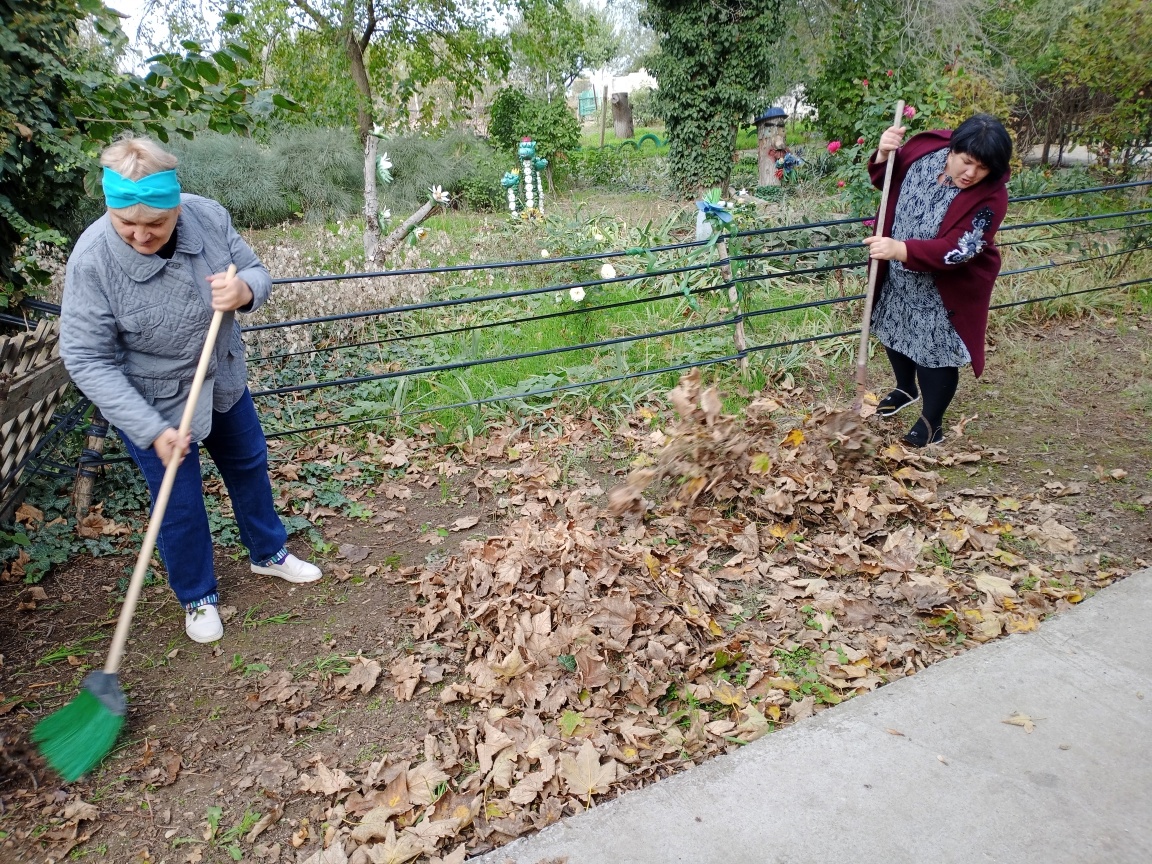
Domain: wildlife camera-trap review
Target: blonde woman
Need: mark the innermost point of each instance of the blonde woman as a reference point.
(141, 286)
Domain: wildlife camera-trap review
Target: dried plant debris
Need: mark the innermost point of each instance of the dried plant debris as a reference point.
(752, 571)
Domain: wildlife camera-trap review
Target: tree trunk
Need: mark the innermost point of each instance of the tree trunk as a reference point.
(397, 237)
(622, 116)
(371, 203)
(364, 126)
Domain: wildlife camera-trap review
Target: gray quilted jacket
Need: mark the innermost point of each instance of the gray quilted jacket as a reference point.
(132, 326)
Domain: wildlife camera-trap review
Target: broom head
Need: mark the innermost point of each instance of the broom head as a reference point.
(76, 737)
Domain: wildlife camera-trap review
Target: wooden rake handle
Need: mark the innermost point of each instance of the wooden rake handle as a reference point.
(874, 265)
(124, 623)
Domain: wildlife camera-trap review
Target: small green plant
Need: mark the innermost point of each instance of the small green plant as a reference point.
(253, 621)
(942, 555)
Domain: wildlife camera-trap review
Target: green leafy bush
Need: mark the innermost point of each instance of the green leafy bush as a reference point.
(644, 112)
(316, 172)
(237, 172)
(320, 170)
(618, 169)
(62, 100)
(458, 161)
(552, 125)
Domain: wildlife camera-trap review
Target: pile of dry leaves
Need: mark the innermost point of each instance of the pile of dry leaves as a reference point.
(789, 562)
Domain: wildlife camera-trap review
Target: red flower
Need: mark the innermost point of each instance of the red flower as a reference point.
(840, 183)
(833, 146)
(890, 73)
(860, 140)
(865, 82)
(779, 173)
(869, 223)
(909, 112)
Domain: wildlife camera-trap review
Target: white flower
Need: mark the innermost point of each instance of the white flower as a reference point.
(743, 193)
(557, 298)
(384, 162)
(439, 195)
(607, 272)
(577, 294)
(378, 130)
(598, 237)
(420, 233)
(543, 253)
(385, 213)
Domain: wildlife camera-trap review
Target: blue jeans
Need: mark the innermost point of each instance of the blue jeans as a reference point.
(237, 446)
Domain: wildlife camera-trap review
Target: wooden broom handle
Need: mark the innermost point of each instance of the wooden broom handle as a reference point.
(874, 263)
(120, 639)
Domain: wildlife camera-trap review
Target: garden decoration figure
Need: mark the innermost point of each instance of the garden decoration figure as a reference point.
(527, 152)
(510, 181)
(937, 261)
(787, 164)
(141, 285)
(712, 212)
(540, 163)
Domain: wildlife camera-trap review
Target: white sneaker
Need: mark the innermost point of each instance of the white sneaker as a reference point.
(291, 569)
(203, 624)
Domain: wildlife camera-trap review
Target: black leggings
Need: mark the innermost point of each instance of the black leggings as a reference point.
(937, 386)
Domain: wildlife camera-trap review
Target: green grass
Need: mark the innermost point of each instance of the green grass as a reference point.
(592, 220)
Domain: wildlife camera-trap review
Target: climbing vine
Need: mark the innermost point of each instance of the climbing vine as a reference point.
(715, 67)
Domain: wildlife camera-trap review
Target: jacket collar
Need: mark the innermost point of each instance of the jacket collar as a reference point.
(141, 268)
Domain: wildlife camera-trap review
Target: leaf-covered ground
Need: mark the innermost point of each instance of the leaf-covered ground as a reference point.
(517, 628)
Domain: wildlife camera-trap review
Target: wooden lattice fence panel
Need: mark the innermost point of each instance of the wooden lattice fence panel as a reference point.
(32, 380)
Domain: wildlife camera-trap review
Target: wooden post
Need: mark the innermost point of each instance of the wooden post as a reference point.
(733, 302)
(622, 116)
(603, 115)
(90, 458)
(770, 141)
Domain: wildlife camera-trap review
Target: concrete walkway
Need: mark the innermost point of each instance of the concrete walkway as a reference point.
(958, 785)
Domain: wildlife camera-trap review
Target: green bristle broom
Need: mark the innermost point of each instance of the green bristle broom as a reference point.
(76, 737)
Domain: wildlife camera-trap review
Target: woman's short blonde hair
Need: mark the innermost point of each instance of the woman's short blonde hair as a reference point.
(133, 158)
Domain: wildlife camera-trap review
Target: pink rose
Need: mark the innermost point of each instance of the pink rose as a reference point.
(833, 146)
(909, 112)
(865, 82)
(890, 73)
(840, 183)
(860, 140)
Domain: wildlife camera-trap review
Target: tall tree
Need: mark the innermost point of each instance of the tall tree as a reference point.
(552, 43)
(715, 65)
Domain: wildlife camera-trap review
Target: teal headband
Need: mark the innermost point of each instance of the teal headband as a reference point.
(160, 190)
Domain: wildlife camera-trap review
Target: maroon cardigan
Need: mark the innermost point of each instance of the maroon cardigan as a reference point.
(962, 257)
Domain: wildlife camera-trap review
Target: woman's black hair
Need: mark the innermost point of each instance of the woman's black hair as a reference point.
(985, 139)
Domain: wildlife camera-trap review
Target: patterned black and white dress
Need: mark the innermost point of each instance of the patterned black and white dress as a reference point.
(909, 315)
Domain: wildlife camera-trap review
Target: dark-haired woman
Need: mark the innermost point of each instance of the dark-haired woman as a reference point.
(938, 261)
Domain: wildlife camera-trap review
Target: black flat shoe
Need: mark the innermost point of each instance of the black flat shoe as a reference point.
(918, 435)
(894, 402)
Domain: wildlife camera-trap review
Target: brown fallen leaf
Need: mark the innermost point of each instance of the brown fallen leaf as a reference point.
(894, 732)
(583, 774)
(1022, 720)
(465, 522)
